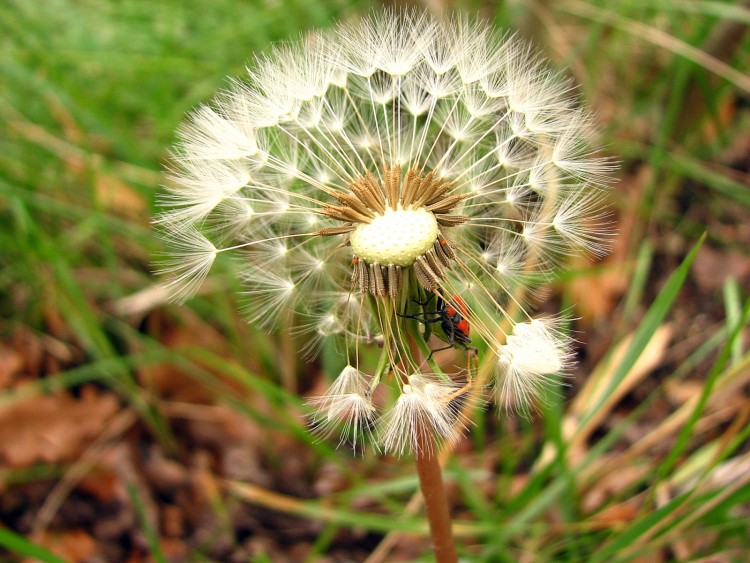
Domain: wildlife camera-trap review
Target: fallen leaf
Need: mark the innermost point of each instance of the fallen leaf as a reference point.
(168, 380)
(71, 545)
(101, 483)
(53, 428)
(10, 365)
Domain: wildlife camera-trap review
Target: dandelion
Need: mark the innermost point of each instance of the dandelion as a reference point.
(371, 176)
(390, 179)
(383, 163)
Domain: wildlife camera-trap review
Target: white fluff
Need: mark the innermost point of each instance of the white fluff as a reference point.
(456, 97)
(532, 353)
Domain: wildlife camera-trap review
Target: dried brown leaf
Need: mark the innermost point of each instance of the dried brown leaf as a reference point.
(11, 364)
(71, 545)
(52, 428)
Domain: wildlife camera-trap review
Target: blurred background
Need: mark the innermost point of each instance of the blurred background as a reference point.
(132, 429)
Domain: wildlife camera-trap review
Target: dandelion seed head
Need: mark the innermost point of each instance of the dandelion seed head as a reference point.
(390, 158)
(398, 236)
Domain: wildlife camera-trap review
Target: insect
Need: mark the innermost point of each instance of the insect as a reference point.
(453, 322)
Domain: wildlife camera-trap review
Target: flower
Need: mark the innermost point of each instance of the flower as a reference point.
(362, 172)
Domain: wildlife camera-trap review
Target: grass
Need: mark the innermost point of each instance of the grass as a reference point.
(644, 455)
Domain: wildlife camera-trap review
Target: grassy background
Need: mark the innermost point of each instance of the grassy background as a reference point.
(181, 428)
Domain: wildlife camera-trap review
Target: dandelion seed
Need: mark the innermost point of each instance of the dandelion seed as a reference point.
(533, 353)
(347, 404)
(209, 136)
(422, 417)
(188, 263)
(358, 173)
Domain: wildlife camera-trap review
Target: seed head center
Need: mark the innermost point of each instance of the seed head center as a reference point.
(397, 236)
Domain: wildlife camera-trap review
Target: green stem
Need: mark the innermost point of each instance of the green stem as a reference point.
(417, 338)
(428, 463)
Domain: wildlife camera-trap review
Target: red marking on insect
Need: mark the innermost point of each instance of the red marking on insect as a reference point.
(453, 321)
(451, 315)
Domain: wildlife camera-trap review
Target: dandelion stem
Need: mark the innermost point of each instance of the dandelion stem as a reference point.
(436, 503)
(430, 472)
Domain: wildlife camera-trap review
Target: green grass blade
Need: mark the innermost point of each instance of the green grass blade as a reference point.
(148, 528)
(637, 529)
(733, 308)
(638, 281)
(651, 322)
(687, 430)
(21, 546)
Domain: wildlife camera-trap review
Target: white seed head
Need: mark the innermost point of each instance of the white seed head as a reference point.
(398, 236)
(397, 151)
